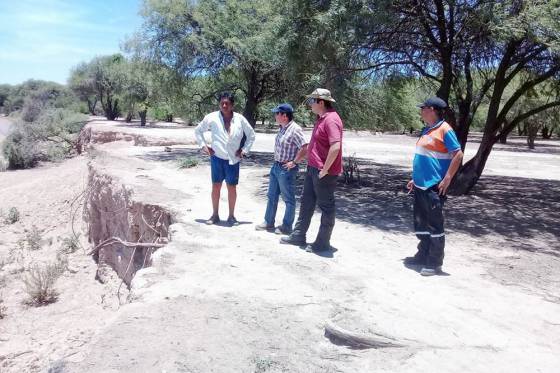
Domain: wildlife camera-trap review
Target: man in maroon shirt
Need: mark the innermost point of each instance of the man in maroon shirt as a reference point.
(324, 164)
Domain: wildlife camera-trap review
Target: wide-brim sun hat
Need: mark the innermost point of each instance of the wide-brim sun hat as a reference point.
(322, 94)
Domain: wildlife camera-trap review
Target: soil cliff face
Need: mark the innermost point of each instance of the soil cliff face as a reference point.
(113, 215)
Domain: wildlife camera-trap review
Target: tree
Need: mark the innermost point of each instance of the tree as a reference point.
(82, 84)
(104, 78)
(219, 39)
(450, 43)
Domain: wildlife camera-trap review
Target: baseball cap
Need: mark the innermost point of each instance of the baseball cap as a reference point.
(434, 102)
(283, 108)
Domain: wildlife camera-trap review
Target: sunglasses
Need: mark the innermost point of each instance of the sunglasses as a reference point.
(311, 101)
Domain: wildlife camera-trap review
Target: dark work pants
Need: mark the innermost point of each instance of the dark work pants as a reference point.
(428, 225)
(317, 192)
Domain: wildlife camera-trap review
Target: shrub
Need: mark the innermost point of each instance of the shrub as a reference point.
(33, 238)
(12, 217)
(188, 162)
(2, 308)
(351, 170)
(50, 137)
(39, 283)
(70, 244)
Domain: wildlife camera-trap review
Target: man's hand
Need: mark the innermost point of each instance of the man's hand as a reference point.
(240, 153)
(443, 185)
(208, 150)
(289, 165)
(410, 186)
(323, 173)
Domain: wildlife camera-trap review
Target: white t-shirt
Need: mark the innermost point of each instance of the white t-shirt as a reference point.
(225, 144)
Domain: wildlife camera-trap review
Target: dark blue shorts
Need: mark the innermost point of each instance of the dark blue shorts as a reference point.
(222, 170)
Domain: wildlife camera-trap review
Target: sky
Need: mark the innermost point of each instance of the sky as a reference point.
(44, 39)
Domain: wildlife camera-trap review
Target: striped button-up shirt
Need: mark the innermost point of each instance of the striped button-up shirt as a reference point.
(288, 141)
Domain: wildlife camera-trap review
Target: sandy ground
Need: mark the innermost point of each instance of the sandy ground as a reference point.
(221, 299)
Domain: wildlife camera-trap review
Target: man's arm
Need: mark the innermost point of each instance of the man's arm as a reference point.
(302, 152)
(455, 164)
(331, 156)
(249, 133)
(199, 134)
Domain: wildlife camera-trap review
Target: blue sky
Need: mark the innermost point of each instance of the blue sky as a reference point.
(44, 39)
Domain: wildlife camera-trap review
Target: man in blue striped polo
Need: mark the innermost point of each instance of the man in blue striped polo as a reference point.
(290, 149)
(437, 159)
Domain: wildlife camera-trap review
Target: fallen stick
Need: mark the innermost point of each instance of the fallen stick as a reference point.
(340, 336)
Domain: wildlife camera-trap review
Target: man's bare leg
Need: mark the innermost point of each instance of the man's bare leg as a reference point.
(216, 187)
(232, 197)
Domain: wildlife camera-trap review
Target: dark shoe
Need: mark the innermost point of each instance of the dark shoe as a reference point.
(290, 240)
(281, 229)
(430, 271)
(264, 227)
(415, 260)
(214, 219)
(311, 248)
(232, 221)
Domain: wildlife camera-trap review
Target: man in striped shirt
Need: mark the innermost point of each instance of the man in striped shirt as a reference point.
(437, 159)
(290, 149)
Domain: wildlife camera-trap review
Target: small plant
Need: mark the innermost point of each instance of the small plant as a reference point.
(263, 364)
(12, 217)
(39, 283)
(33, 239)
(188, 162)
(70, 244)
(351, 170)
(2, 308)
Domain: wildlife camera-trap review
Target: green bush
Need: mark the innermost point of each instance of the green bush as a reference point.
(188, 162)
(49, 137)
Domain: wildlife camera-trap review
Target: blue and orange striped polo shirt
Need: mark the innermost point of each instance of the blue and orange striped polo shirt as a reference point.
(434, 151)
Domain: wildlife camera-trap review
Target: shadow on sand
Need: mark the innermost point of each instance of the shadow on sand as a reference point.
(524, 211)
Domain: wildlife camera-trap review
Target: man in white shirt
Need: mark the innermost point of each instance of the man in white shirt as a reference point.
(227, 129)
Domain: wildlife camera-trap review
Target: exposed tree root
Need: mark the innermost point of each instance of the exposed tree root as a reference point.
(343, 337)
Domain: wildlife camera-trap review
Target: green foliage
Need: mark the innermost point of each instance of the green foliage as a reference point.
(33, 96)
(382, 106)
(49, 137)
(230, 41)
(188, 162)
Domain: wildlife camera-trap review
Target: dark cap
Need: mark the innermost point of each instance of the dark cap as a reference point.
(283, 108)
(434, 102)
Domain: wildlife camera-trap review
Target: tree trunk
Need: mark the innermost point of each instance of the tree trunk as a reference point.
(521, 130)
(249, 112)
(169, 118)
(142, 114)
(128, 118)
(503, 138)
(91, 105)
(468, 175)
(532, 131)
(546, 133)
(111, 109)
